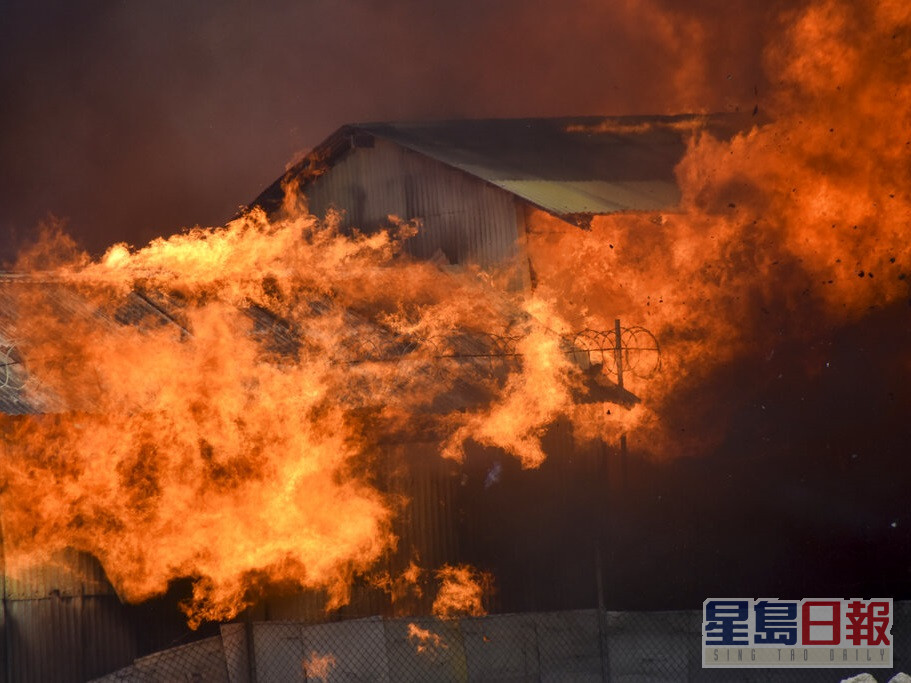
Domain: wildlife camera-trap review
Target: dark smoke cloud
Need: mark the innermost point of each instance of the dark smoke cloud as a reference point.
(132, 119)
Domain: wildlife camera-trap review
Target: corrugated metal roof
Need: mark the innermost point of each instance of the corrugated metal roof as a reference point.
(566, 166)
(595, 196)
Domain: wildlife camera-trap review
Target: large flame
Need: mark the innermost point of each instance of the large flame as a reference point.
(226, 431)
(797, 224)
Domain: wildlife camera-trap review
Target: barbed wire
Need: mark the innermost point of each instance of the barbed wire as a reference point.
(10, 360)
(637, 353)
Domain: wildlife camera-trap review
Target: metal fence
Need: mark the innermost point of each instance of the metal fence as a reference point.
(584, 645)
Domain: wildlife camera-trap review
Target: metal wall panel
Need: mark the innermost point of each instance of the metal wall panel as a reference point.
(357, 649)
(427, 529)
(234, 642)
(538, 531)
(308, 606)
(441, 660)
(429, 483)
(43, 640)
(65, 574)
(108, 635)
(64, 622)
(464, 218)
(66, 639)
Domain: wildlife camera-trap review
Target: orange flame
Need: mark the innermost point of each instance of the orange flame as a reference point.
(461, 591)
(796, 224)
(425, 641)
(215, 411)
(318, 667)
(407, 583)
(213, 400)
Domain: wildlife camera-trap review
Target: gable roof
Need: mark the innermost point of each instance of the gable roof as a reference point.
(566, 166)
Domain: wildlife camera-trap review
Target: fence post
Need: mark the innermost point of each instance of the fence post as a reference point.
(603, 644)
(251, 647)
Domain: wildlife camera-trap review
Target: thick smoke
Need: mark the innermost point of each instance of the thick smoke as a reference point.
(133, 120)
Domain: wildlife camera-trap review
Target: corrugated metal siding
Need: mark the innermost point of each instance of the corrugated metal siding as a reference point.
(66, 574)
(428, 524)
(428, 528)
(307, 606)
(108, 640)
(428, 533)
(63, 621)
(466, 219)
(66, 639)
(538, 531)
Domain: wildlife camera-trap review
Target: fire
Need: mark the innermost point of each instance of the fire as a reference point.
(530, 401)
(795, 225)
(461, 591)
(318, 666)
(213, 401)
(425, 641)
(398, 588)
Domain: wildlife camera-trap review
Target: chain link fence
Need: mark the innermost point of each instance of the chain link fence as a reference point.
(583, 645)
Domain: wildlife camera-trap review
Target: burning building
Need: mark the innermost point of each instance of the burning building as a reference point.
(429, 346)
(453, 203)
(475, 184)
(393, 366)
